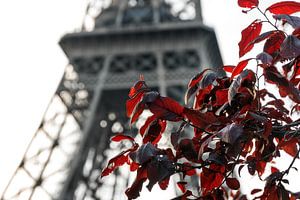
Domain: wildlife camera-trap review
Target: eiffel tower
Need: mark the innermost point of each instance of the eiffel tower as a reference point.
(166, 41)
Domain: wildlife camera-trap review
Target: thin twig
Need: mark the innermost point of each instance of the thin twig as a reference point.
(197, 127)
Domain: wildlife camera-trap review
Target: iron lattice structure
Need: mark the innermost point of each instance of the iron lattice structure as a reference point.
(164, 42)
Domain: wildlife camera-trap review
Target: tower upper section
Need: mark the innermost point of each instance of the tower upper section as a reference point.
(147, 12)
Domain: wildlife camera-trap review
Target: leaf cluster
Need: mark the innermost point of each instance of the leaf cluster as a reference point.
(237, 124)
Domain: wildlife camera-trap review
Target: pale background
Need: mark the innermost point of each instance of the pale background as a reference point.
(32, 63)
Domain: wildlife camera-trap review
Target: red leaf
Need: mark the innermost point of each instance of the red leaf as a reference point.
(272, 44)
(254, 191)
(138, 87)
(187, 149)
(133, 102)
(120, 137)
(236, 84)
(267, 128)
(139, 108)
(274, 169)
(115, 162)
(118, 160)
(194, 84)
(285, 87)
(153, 133)
(181, 186)
(289, 146)
(240, 169)
(148, 97)
(147, 123)
(134, 166)
(239, 68)
(187, 167)
(233, 183)
(166, 108)
(284, 7)
(133, 192)
(248, 3)
(199, 119)
(164, 183)
(210, 179)
(296, 32)
(221, 97)
(263, 36)
(248, 35)
(228, 68)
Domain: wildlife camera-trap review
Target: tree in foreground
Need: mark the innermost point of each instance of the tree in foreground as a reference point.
(238, 123)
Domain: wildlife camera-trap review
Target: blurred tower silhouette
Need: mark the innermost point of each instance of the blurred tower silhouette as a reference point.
(166, 42)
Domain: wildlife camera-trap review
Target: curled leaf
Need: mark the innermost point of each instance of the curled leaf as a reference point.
(120, 137)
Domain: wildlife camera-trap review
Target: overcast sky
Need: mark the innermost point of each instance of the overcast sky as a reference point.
(31, 62)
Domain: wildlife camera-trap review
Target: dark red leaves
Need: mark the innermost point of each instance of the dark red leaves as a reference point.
(263, 36)
(134, 191)
(284, 7)
(239, 68)
(233, 183)
(120, 137)
(154, 132)
(209, 179)
(285, 87)
(248, 35)
(290, 48)
(166, 108)
(248, 3)
(147, 123)
(221, 97)
(273, 44)
(237, 122)
(201, 80)
(289, 146)
(201, 120)
(159, 169)
(236, 84)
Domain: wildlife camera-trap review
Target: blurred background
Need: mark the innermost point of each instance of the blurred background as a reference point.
(80, 50)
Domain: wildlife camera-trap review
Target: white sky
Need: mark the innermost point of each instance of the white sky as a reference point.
(32, 63)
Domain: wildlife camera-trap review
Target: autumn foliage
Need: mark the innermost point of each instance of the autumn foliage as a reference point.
(238, 125)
